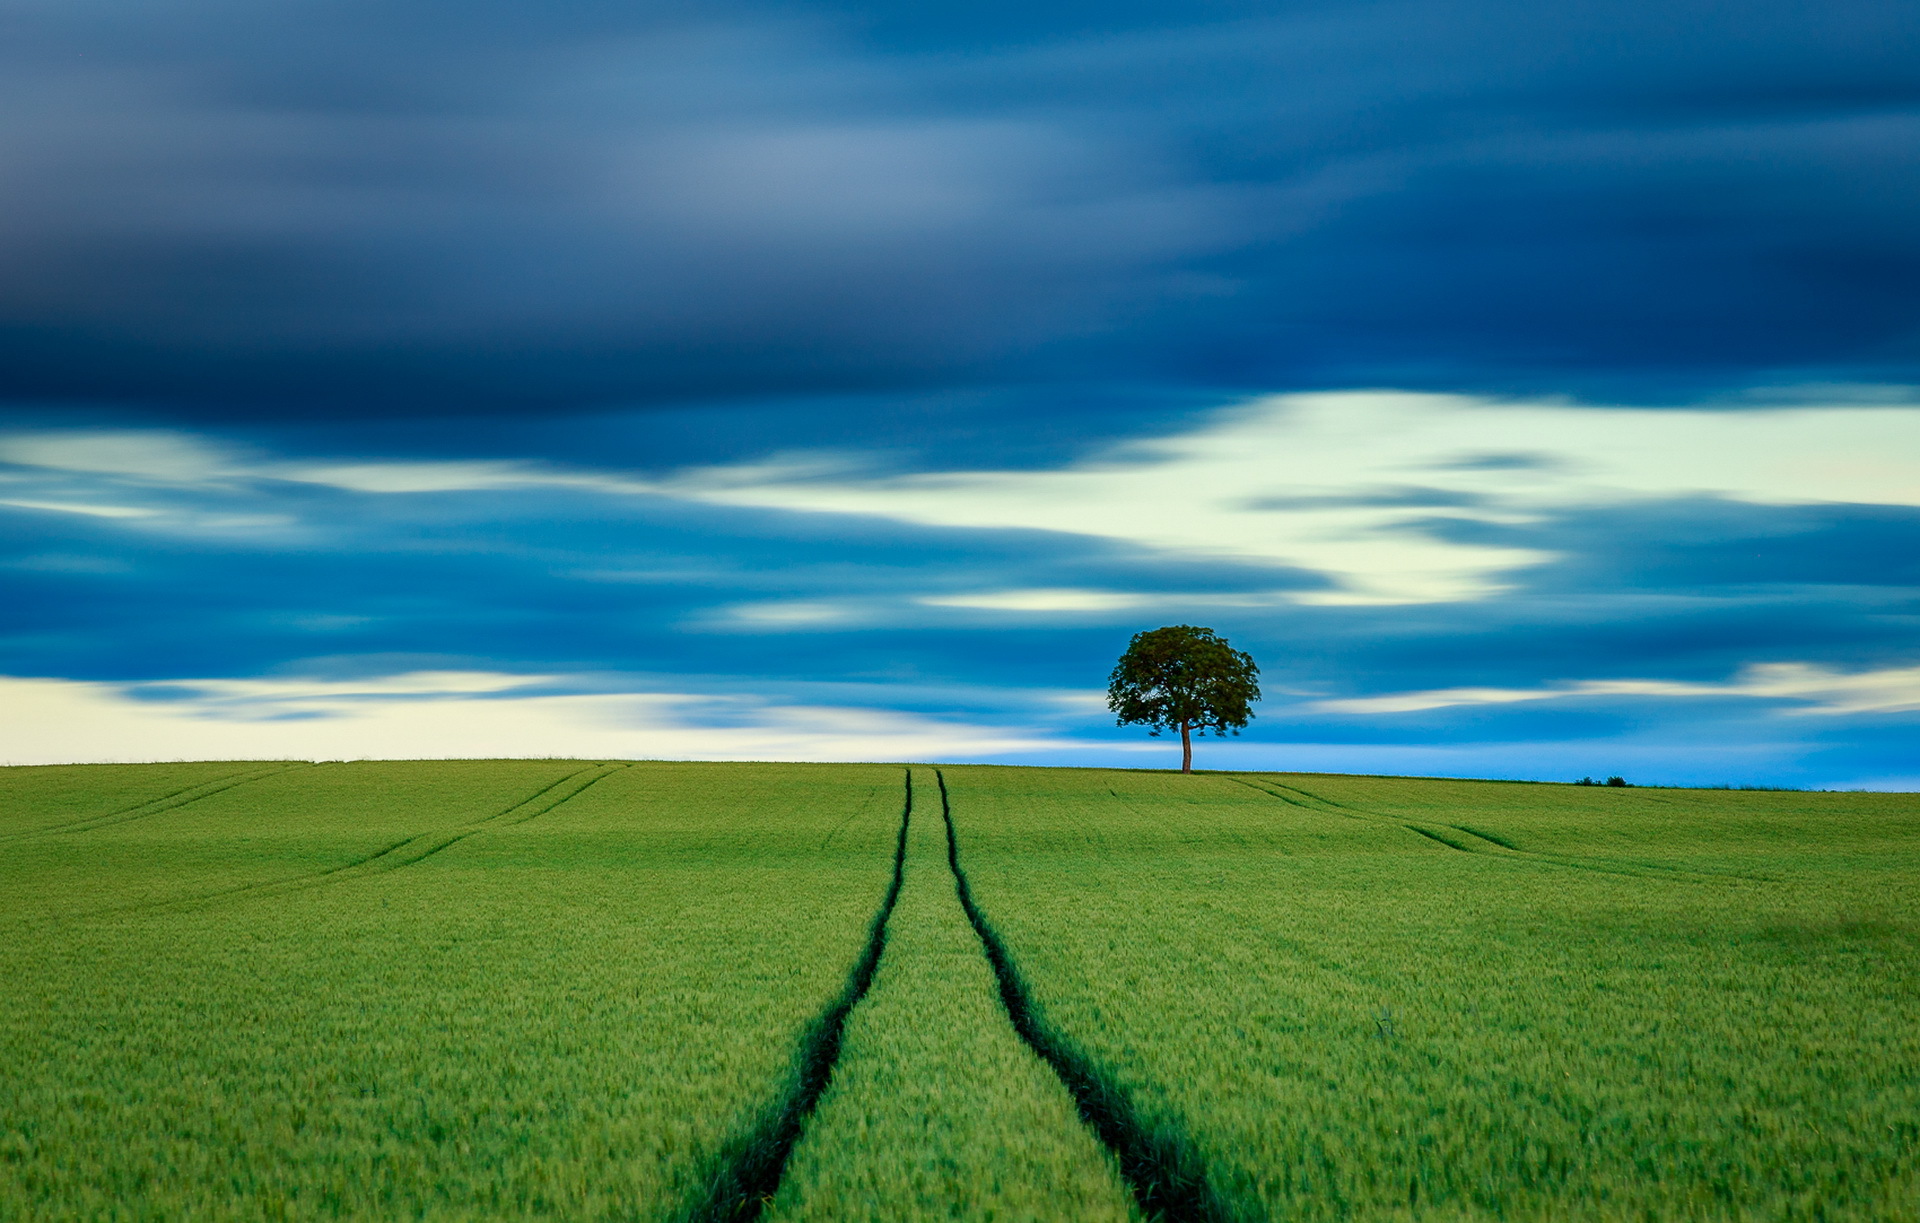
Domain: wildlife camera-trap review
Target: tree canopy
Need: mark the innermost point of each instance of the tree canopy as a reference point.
(1187, 677)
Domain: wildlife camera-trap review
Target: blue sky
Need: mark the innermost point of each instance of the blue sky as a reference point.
(1533, 390)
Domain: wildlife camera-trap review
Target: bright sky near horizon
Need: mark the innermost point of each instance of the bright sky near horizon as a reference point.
(1534, 392)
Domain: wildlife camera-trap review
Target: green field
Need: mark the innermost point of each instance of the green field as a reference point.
(612, 990)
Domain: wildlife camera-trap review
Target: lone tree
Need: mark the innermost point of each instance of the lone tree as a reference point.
(1186, 677)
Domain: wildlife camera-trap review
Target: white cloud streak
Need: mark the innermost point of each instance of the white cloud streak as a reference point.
(1806, 688)
(1352, 487)
(1043, 600)
(83, 509)
(453, 715)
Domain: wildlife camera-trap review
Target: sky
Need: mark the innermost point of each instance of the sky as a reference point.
(1533, 390)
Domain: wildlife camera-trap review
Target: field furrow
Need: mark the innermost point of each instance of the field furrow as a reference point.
(402, 853)
(570, 1017)
(285, 824)
(38, 799)
(937, 1110)
(1474, 841)
(748, 1173)
(156, 806)
(1166, 1176)
(664, 992)
(1350, 1024)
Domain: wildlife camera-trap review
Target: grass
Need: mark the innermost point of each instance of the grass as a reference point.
(589, 990)
(1388, 998)
(567, 1017)
(36, 799)
(1165, 1175)
(937, 1110)
(749, 1172)
(244, 826)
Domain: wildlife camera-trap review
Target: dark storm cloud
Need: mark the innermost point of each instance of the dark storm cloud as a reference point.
(601, 206)
(238, 208)
(589, 250)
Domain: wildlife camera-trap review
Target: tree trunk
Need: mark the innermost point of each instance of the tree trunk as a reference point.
(1186, 749)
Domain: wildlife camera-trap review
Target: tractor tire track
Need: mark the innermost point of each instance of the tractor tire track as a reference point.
(1430, 830)
(402, 852)
(1294, 802)
(855, 814)
(1501, 841)
(389, 858)
(1323, 801)
(1467, 840)
(1436, 838)
(747, 1174)
(1625, 870)
(1163, 1170)
(156, 806)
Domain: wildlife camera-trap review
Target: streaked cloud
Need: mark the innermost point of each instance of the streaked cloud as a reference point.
(790, 614)
(1042, 600)
(1368, 491)
(461, 715)
(168, 456)
(312, 209)
(1362, 487)
(908, 358)
(74, 507)
(1805, 688)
